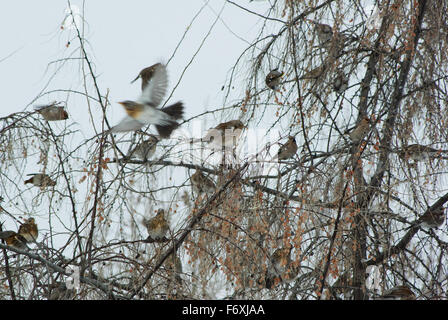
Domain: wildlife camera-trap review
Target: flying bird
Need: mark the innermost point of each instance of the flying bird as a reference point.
(144, 111)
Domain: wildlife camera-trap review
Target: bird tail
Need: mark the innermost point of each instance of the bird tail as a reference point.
(176, 110)
(30, 180)
(166, 130)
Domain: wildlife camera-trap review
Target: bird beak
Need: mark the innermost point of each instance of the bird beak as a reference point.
(135, 79)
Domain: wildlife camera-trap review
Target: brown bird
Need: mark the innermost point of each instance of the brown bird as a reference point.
(433, 219)
(201, 183)
(360, 131)
(280, 259)
(14, 239)
(157, 226)
(288, 150)
(273, 79)
(145, 150)
(324, 32)
(328, 39)
(418, 152)
(314, 73)
(340, 82)
(146, 74)
(279, 264)
(52, 112)
(28, 230)
(59, 291)
(225, 134)
(399, 293)
(174, 265)
(144, 111)
(40, 180)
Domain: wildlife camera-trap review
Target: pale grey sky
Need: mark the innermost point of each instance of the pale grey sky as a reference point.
(123, 38)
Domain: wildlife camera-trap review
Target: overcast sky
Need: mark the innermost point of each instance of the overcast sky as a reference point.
(123, 38)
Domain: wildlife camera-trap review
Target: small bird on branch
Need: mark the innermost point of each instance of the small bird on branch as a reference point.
(52, 112)
(27, 233)
(157, 227)
(144, 150)
(288, 150)
(201, 183)
(40, 180)
(398, 293)
(273, 79)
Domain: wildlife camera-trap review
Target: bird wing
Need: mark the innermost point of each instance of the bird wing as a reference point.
(156, 89)
(127, 124)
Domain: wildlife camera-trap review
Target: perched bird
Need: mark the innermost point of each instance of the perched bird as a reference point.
(279, 264)
(201, 183)
(340, 82)
(280, 260)
(273, 79)
(399, 293)
(225, 134)
(288, 150)
(333, 42)
(157, 226)
(324, 32)
(28, 230)
(14, 239)
(52, 112)
(360, 131)
(146, 74)
(174, 265)
(314, 73)
(59, 291)
(146, 149)
(40, 180)
(144, 111)
(230, 125)
(418, 152)
(433, 219)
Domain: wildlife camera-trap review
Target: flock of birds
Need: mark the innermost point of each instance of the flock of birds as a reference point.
(146, 111)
